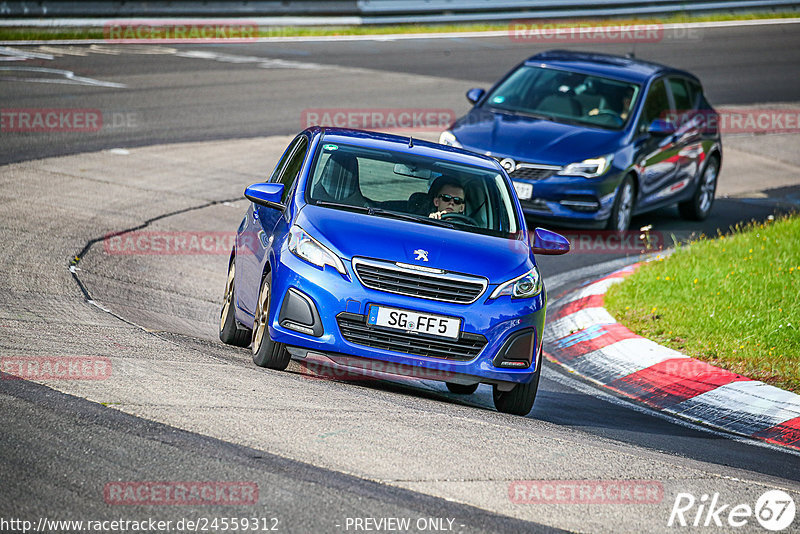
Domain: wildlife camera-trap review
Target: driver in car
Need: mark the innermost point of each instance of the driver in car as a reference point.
(448, 198)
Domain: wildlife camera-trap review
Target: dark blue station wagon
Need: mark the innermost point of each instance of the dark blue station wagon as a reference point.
(590, 140)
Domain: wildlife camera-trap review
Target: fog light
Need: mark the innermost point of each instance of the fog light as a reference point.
(299, 313)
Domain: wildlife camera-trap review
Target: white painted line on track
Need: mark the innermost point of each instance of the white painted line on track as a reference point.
(69, 77)
(262, 62)
(12, 54)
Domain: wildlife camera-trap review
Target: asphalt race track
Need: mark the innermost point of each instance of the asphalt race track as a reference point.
(192, 125)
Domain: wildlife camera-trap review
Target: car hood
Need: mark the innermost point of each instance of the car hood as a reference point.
(533, 140)
(351, 234)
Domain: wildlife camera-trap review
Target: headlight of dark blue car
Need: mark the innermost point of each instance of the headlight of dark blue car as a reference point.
(309, 249)
(522, 287)
(588, 168)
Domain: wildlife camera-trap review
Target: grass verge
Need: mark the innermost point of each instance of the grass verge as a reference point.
(733, 301)
(22, 33)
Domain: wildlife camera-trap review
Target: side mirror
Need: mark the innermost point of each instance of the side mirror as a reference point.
(473, 95)
(549, 243)
(661, 128)
(268, 195)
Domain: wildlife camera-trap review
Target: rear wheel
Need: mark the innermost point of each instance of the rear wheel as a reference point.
(229, 331)
(622, 210)
(519, 400)
(267, 353)
(699, 206)
(462, 389)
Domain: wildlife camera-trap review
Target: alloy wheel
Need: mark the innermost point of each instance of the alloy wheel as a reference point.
(260, 322)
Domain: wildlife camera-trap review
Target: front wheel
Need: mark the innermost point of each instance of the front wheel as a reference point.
(519, 400)
(698, 207)
(229, 331)
(267, 353)
(622, 210)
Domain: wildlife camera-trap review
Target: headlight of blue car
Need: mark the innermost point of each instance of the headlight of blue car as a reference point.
(309, 249)
(588, 168)
(522, 287)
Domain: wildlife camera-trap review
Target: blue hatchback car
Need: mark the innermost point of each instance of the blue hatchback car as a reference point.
(592, 139)
(366, 247)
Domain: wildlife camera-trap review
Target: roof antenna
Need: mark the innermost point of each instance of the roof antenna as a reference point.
(410, 142)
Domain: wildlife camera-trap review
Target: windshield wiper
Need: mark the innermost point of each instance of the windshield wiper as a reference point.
(406, 217)
(351, 207)
(384, 213)
(531, 114)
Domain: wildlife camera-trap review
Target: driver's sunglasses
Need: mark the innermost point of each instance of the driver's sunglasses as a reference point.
(449, 198)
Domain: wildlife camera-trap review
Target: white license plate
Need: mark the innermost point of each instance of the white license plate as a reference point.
(407, 320)
(524, 191)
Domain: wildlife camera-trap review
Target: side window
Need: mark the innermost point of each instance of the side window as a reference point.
(696, 95)
(292, 168)
(656, 106)
(680, 93)
(284, 158)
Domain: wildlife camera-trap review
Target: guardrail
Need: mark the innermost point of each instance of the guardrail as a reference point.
(372, 11)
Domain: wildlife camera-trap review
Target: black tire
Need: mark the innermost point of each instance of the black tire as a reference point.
(518, 401)
(699, 206)
(462, 389)
(267, 353)
(229, 332)
(622, 211)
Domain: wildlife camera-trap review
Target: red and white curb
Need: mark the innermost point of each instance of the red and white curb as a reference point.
(584, 338)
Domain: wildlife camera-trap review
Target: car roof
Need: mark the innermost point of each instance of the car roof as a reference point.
(612, 66)
(399, 143)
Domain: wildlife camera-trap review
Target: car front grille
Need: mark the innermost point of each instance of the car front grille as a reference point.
(530, 171)
(354, 328)
(535, 204)
(411, 280)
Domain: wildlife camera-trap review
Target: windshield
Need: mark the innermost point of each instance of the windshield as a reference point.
(565, 96)
(413, 188)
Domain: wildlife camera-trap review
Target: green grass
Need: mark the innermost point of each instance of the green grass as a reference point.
(733, 301)
(30, 33)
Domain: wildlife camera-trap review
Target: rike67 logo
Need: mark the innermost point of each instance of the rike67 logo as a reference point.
(774, 511)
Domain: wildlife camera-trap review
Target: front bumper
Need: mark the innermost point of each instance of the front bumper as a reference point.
(572, 200)
(336, 297)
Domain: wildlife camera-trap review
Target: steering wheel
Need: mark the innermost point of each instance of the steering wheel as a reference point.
(613, 115)
(459, 217)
